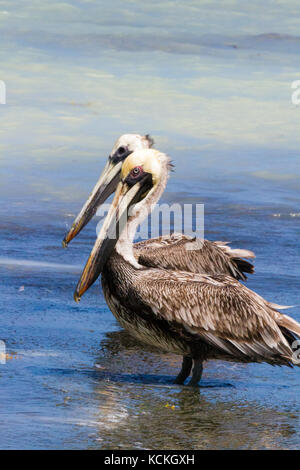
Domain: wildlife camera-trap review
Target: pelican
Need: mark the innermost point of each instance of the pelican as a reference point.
(195, 315)
(168, 251)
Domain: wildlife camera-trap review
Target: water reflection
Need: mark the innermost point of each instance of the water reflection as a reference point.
(137, 410)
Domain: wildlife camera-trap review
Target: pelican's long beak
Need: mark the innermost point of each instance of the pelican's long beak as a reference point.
(111, 230)
(105, 186)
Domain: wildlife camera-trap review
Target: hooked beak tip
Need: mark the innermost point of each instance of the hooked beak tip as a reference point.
(77, 297)
(64, 243)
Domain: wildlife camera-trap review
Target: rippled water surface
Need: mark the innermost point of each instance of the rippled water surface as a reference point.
(212, 83)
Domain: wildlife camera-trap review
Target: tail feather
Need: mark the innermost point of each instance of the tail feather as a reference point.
(290, 324)
(280, 307)
(237, 253)
(240, 265)
(244, 266)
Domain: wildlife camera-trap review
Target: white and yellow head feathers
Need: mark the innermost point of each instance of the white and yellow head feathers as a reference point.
(133, 142)
(152, 161)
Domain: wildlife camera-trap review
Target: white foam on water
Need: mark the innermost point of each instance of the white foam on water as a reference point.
(39, 264)
(291, 214)
(35, 353)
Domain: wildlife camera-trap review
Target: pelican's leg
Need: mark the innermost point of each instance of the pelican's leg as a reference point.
(197, 372)
(186, 367)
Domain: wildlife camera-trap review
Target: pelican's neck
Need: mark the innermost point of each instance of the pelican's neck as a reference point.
(124, 245)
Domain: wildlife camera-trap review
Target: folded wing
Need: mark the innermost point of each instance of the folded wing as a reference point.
(181, 252)
(220, 311)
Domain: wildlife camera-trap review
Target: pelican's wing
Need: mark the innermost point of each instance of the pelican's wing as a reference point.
(181, 252)
(220, 311)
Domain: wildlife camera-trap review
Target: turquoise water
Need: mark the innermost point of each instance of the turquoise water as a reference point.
(211, 82)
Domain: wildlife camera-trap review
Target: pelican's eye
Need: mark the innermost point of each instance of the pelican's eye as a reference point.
(136, 172)
(120, 154)
(121, 150)
(135, 176)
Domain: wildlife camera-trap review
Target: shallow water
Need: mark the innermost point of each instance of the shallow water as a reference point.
(213, 86)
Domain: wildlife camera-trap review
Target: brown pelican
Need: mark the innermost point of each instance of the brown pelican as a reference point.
(168, 251)
(195, 315)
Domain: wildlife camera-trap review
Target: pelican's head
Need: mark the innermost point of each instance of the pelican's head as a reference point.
(108, 181)
(128, 143)
(141, 162)
(143, 178)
